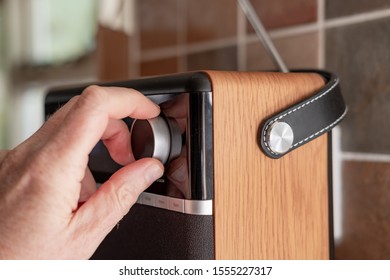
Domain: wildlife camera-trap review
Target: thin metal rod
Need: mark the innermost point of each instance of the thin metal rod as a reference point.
(262, 34)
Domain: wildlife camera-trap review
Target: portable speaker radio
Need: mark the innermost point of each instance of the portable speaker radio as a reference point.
(247, 166)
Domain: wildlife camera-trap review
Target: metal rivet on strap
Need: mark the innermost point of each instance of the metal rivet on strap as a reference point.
(280, 137)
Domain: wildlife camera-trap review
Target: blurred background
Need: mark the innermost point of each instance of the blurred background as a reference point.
(44, 43)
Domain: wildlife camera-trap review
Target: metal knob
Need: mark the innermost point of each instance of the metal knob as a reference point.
(151, 138)
(158, 138)
(280, 137)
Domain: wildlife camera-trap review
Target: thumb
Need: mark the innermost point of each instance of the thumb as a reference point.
(107, 206)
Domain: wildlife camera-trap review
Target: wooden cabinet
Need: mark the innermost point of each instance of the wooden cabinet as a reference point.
(266, 208)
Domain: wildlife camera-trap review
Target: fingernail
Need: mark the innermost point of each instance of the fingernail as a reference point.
(153, 172)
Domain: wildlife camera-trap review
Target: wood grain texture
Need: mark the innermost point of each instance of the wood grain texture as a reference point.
(266, 208)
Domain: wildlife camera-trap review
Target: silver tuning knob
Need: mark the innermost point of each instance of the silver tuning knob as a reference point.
(156, 138)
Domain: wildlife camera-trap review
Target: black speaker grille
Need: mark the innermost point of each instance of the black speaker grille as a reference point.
(157, 234)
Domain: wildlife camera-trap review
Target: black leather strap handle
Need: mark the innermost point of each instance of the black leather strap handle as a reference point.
(304, 121)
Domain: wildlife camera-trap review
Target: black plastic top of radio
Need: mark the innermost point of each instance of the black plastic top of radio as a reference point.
(175, 83)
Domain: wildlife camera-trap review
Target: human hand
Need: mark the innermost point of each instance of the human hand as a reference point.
(43, 180)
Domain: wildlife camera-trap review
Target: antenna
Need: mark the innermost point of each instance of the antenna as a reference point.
(262, 34)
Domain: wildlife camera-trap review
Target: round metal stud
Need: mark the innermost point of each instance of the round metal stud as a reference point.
(280, 137)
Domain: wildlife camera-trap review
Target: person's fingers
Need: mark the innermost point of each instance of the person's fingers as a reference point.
(98, 215)
(89, 117)
(116, 138)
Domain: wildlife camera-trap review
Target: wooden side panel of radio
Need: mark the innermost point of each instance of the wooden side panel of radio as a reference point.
(266, 208)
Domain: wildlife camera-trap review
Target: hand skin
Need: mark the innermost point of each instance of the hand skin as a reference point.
(43, 180)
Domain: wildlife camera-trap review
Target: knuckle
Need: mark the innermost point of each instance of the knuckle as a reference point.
(92, 90)
(93, 96)
(126, 197)
(74, 99)
(123, 197)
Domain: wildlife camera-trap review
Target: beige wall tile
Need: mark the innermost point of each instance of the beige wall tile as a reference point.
(158, 67)
(360, 55)
(158, 23)
(366, 211)
(211, 20)
(338, 8)
(283, 13)
(300, 51)
(218, 59)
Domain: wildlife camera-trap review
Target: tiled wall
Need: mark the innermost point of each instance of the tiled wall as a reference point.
(177, 35)
(349, 37)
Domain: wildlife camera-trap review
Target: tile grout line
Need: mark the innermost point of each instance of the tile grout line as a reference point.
(293, 30)
(357, 18)
(336, 169)
(206, 46)
(365, 157)
(321, 33)
(192, 48)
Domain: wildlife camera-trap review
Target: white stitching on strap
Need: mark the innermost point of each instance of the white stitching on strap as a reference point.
(297, 109)
(322, 130)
